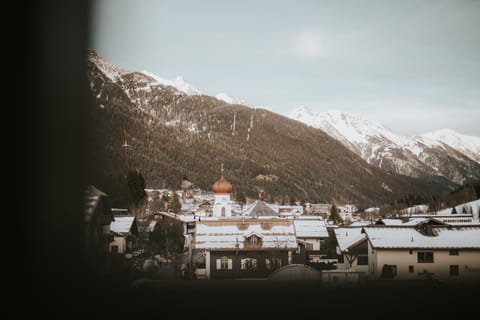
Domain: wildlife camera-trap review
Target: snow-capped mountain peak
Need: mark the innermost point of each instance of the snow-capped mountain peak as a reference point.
(341, 124)
(429, 153)
(469, 145)
(179, 83)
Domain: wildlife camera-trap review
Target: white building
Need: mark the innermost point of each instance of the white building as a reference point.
(346, 211)
(311, 232)
(244, 248)
(446, 253)
(125, 232)
(352, 245)
(222, 206)
(471, 216)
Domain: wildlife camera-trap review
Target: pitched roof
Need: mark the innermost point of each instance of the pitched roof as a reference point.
(92, 197)
(444, 238)
(260, 208)
(400, 222)
(310, 228)
(122, 225)
(347, 237)
(223, 234)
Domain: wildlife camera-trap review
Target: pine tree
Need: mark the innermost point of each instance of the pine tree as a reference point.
(167, 237)
(174, 204)
(157, 205)
(334, 215)
(241, 198)
(292, 201)
(136, 186)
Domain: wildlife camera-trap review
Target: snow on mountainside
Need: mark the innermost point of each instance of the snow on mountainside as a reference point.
(230, 100)
(469, 145)
(178, 83)
(443, 153)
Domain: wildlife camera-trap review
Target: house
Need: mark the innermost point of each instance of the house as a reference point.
(352, 248)
(244, 248)
(401, 222)
(466, 213)
(311, 232)
(125, 232)
(445, 253)
(97, 217)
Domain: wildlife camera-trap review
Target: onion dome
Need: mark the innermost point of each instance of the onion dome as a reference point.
(222, 185)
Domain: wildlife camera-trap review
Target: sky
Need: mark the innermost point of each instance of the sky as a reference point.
(413, 66)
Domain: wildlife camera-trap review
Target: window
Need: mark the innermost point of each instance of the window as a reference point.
(454, 270)
(453, 252)
(224, 263)
(425, 257)
(252, 240)
(411, 269)
(248, 264)
(268, 264)
(362, 260)
(223, 211)
(114, 249)
(340, 258)
(273, 263)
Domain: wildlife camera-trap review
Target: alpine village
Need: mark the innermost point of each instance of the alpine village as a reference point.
(191, 187)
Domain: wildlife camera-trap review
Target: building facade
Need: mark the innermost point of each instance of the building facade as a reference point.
(244, 248)
(448, 254)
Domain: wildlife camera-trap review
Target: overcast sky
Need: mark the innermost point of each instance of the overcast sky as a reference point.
(412, 65)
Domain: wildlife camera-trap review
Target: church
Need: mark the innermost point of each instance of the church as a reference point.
(238, 247)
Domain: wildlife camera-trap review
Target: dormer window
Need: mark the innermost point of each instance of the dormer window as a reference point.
(253, 240)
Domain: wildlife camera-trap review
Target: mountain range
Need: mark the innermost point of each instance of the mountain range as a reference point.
(175, 132)
(444, 152)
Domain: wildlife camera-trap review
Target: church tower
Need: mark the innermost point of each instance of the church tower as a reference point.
(222, 189)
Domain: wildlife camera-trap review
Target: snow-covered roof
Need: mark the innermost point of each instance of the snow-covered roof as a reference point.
(346, 237)
(401, 222)
(260, 208)
(444, 238)
(181, 217)
(310, 228)
(227, 235)
(309, 217)
(360, 223)
(475, 205)
(122, 225)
